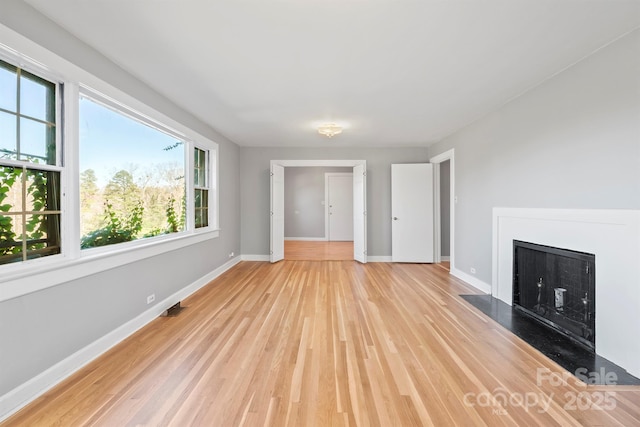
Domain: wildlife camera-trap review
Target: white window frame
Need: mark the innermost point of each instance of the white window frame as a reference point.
(37, 70)
(33, 275)
(207, 186)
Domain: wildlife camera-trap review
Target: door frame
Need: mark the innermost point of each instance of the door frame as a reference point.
(328, 163)
(326, 198)
(436, 160)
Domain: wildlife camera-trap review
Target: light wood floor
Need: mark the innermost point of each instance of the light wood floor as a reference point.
(295, 250)
(446, 265)
(303, 343)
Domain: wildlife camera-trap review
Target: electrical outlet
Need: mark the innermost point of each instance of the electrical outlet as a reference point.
(231, 254)
(151, 298)
(473, 270)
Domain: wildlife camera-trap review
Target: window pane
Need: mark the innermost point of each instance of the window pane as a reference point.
(37, 97)
(10, 189)
(200, 168)
(43, 190)
(198, 199)
(8, 86)
(37, 142)
(10, 238)
(201, 218)
(201, 208)
(8, 136)
(43, 235)
(132, 181)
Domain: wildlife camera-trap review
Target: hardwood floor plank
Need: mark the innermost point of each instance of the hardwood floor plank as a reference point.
(298, 250)
(332, 343)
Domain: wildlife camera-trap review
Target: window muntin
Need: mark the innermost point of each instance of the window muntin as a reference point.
(201, 187)
(30, 195)
(132, 182)
(27, 116)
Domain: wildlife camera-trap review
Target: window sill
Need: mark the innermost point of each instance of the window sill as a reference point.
(32, 277)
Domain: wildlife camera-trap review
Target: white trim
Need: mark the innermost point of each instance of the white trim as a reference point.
(319, 163)
(373, 258)
(471, 280)
(307, 239)
(327, 163)
(70, 219)
(437, 220)
(48, 274)
(445, 258)
(27, 392)
(249, 257)
(443, 157)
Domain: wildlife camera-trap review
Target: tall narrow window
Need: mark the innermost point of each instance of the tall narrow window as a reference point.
(201, 187)
(29, 166)
(132, 182)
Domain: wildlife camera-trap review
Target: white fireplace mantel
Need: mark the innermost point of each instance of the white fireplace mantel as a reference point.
(613, 236)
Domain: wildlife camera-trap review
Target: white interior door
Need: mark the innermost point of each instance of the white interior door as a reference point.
(360, 213)
(340, 207)
(412, 231)
(277, 213)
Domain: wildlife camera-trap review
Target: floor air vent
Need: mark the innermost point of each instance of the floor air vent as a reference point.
(174, 310)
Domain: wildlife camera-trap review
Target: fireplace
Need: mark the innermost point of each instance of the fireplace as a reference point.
(613, 235)
(556, 287)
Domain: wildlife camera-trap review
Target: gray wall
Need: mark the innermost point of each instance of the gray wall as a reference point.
(40, 329)
(445, 207)
(254, 190)
(572, 142)
(303, 197)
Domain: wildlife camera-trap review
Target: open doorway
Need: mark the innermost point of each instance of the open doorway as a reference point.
(318, 213)
(444, 215)
(358, 170)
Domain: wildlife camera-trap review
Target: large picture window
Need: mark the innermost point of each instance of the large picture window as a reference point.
(30, 169)
(132, 177)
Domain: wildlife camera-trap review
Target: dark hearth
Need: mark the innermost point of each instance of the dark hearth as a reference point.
(557, 288)
(574, 358)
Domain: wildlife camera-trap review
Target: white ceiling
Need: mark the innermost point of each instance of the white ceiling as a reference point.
(392, 72)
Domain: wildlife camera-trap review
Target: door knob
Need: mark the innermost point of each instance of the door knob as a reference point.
(395, 218)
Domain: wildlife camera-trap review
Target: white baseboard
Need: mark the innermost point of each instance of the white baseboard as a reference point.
(25, 393)
(445, 258)
(307, 239)
(256, 258)
(473, 281)
(374, 258)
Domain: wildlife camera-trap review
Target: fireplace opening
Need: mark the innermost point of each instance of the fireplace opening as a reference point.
(557, 288)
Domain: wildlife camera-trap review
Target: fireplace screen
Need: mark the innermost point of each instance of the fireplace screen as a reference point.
(556, 287)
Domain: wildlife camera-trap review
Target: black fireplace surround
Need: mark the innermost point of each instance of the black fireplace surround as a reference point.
(557, 288)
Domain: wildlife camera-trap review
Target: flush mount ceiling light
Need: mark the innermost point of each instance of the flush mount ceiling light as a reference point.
(329, 130)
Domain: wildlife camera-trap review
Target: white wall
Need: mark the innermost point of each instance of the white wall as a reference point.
(571, 142)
